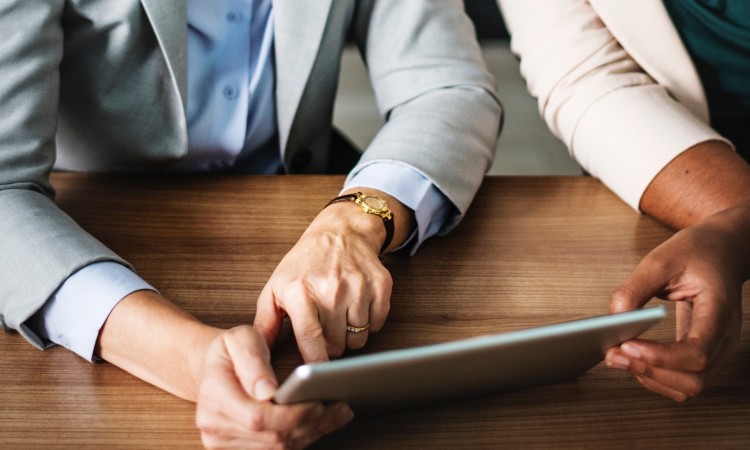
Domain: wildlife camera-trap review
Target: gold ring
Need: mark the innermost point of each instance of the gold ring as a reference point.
(355, 330)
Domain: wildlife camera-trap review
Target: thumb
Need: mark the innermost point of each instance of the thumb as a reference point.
(251, 359)
(648, 280)
(268, 318)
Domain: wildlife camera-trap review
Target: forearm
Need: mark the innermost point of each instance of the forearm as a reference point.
(151, 338)
(703, 180)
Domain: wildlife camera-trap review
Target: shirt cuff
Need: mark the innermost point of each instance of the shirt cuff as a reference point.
(431, 208)
(75, 313)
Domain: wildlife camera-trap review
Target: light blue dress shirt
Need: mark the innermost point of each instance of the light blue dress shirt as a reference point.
(231, 115)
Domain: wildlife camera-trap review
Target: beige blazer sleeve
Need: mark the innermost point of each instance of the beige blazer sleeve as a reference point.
(620, 124)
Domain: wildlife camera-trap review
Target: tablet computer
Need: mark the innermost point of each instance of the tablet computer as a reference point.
(466, 368)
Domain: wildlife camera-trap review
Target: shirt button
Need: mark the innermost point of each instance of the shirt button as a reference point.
(231, 92)
(234, 16)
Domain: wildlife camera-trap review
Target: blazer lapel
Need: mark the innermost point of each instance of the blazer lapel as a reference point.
(657, 48)
(169, 20)
(298, 32)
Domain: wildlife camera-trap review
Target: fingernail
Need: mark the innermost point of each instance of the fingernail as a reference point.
(631, 349)
(265, 388)
(617, 361)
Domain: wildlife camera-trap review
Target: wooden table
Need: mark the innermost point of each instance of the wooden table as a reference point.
(531, 251)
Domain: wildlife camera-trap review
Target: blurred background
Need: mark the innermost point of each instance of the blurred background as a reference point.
(525, 147)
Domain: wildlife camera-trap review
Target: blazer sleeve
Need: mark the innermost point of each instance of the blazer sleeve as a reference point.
(616, 121)
(40, 246)
(434, 92)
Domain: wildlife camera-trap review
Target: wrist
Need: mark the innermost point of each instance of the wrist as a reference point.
(735, 221)
(348, 219)
(195, 355)
(372, 205)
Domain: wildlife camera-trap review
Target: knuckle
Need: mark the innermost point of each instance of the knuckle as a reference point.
(383, 287)
(695, 387)
(298, 288)
(254, 421)
(203, 420)
(210, 441)
(358, 287)
(699, 360)
(384, 277)
(623, 294)
(701, 363)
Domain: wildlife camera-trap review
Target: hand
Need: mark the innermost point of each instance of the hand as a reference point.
(234, 408)
(227, 372)
(702, 268)
(331, 278)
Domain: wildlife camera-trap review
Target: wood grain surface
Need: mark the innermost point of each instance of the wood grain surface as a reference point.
(531, 251)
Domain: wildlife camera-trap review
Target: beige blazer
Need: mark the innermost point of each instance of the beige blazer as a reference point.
(614, 82)
(101, 86)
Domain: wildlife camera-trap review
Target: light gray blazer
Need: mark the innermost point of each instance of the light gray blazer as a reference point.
(100, 85)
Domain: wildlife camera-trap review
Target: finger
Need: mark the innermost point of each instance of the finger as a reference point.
(273, 417)
(332, 315)
(680, 385)
(231, 433)
(670, 383)
(711, 324)
(220, 392)
(308, 330)
(253, 418)
(220, 441)
(251, 359)
(660, 388)
(676, 384)
(238, 368)
(357, 316)
(381, 302)
(337, 415)
(682, 356)
(648, 280)
(268, 317)
(703, 340)
(281, 418)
